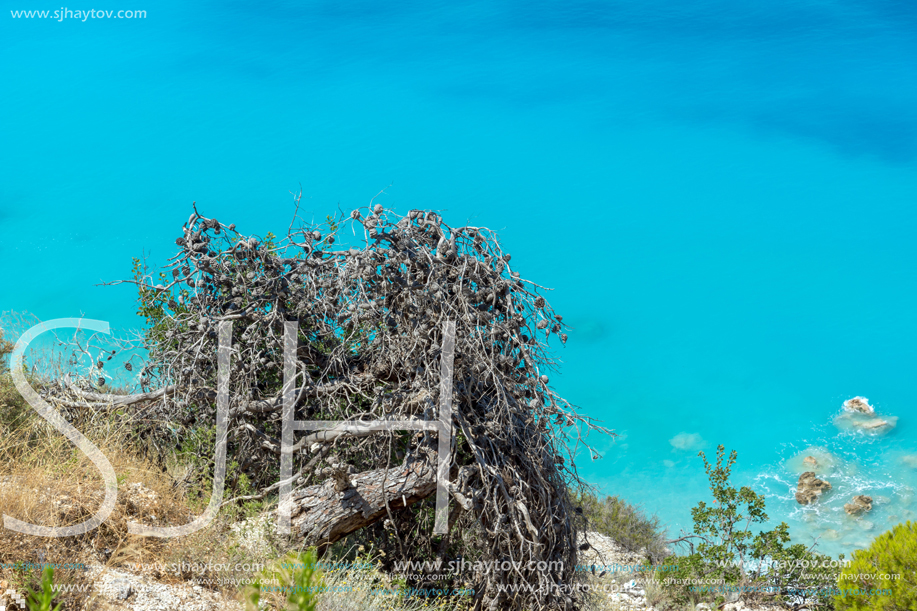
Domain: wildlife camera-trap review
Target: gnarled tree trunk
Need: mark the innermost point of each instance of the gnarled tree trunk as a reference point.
(323, 513)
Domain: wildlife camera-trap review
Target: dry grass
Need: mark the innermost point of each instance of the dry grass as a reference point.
(45, 480)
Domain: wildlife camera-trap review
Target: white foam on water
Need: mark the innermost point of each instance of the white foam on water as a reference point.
(855, 461)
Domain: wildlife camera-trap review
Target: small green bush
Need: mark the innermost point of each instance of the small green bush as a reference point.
(731, 558)
(293, 581)
(627, 524)
(884, 577)
(6, 347)
(13, 408)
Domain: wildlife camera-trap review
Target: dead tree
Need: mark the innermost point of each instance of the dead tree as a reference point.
(370, 331)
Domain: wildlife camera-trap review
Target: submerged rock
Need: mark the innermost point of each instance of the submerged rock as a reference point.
(867, 423)
(859, 504)
(831, 535)
(859, 404)
(809, 488)
(812, 458)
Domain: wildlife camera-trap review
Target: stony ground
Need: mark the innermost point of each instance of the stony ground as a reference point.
(630, 595)
(119, 589)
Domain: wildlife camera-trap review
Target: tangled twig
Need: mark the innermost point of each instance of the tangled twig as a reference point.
(370, 323)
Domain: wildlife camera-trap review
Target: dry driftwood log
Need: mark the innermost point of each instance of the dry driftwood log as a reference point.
(370, 318)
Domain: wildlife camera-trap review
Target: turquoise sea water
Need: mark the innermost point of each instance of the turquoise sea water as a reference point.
(722, 195)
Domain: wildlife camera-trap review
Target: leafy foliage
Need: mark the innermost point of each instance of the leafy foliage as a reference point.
(883, 577)
(14, 410)
(731, 555)
(725, 540)
(294, 580)
(6, 347)
(626, 524)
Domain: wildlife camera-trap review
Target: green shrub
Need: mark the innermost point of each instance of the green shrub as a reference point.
(14, 410)
(730, 556)
(889, 567)
(292, 583)
(627, 524)
(6, 347)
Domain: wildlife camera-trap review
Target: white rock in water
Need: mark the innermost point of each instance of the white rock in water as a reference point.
(859, 404)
